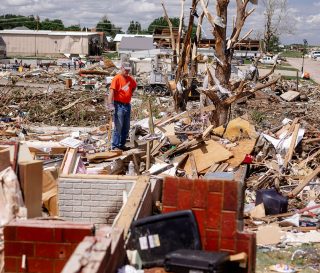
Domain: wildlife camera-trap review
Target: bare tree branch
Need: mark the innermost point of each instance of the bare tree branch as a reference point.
(173, 43)
(180, 27)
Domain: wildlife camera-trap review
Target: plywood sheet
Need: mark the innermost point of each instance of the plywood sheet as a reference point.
(207, 154)
(244, 147)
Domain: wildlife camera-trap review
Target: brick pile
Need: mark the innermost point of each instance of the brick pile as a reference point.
(102, 253)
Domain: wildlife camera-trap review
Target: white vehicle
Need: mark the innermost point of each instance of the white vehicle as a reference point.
(269, 60)
(315, 55)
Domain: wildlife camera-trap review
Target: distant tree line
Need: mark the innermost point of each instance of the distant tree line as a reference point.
(10, 21)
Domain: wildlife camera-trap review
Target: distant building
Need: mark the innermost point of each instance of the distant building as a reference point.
(133, 44)
(118, 38)
(162, 36)
(50, 43)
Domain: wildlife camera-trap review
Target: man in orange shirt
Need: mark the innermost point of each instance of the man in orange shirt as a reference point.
(121, 90)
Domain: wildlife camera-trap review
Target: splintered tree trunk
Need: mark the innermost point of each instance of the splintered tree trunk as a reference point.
(223, 67)
(222, 116)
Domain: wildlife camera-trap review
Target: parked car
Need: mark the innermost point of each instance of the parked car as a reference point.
(315, 55)
(269, 60)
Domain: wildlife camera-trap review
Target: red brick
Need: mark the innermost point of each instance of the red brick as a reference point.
(59, 264)
(10, 264)
(230, 201)
(74, 235)
(170, 192)
(37, 234)
(9, 233)
(18, 249)
(54, 251)
(245, 236)
(58, 234)
(212, 240)
(167, 209)
(185, 184)
(214, 210)
(200, 215)
(184, 200)
(200, 190)
(229, 225)
(243, 246)
(35, 265)
(228, 244)
(215, 186)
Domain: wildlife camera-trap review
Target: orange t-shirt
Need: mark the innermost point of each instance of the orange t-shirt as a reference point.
(123, 88)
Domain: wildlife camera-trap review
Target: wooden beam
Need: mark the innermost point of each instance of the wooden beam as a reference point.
(151, 125)
(130, 208)
(30, 177)
(289, 154)
(148, 156)
(194, 170)
(304, 183)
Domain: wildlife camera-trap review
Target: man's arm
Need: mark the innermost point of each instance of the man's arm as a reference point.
(111, 96)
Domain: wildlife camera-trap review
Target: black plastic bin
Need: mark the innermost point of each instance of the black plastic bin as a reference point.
(155, 236)
(274, 203)
(186, 261)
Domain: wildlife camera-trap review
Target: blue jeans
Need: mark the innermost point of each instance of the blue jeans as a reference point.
(121, 121)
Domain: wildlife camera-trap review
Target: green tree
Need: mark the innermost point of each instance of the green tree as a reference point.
(161, 22)
(9, 21)
(105, 25)
(73, 28)
(48, 24)
(134, 28)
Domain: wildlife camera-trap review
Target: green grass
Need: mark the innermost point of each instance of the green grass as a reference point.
(277, 256)
(291, 78)
(110, 55)
(291, 54)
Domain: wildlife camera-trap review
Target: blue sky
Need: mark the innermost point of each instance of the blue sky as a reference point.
(303, 15)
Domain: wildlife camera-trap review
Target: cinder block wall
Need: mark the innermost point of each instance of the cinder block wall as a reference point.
(94, 201)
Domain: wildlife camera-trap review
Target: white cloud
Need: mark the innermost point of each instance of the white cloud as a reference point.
(121, 12)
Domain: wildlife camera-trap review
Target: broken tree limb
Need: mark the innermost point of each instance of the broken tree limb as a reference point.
(207, 13)
(173, 42)
(180, 28)
(304, 183)
(255, 89)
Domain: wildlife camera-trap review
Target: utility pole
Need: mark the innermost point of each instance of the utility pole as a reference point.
(305, 44)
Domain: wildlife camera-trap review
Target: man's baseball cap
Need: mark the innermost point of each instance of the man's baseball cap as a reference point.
(126, 66)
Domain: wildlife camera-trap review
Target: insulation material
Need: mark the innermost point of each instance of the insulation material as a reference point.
(11, 202)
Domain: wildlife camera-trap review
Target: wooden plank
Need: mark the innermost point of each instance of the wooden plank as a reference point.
(151, 125)
(30, 177)
(222, 167)
(213, 168)
(207, 131)
(70, 161)
(4, 159)
(245, 146)
(304, 183)
(207, 154)
(193, 164)
(148, 159)
(103, 155)
(131, 207)
(289, 154)
(303, 163)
